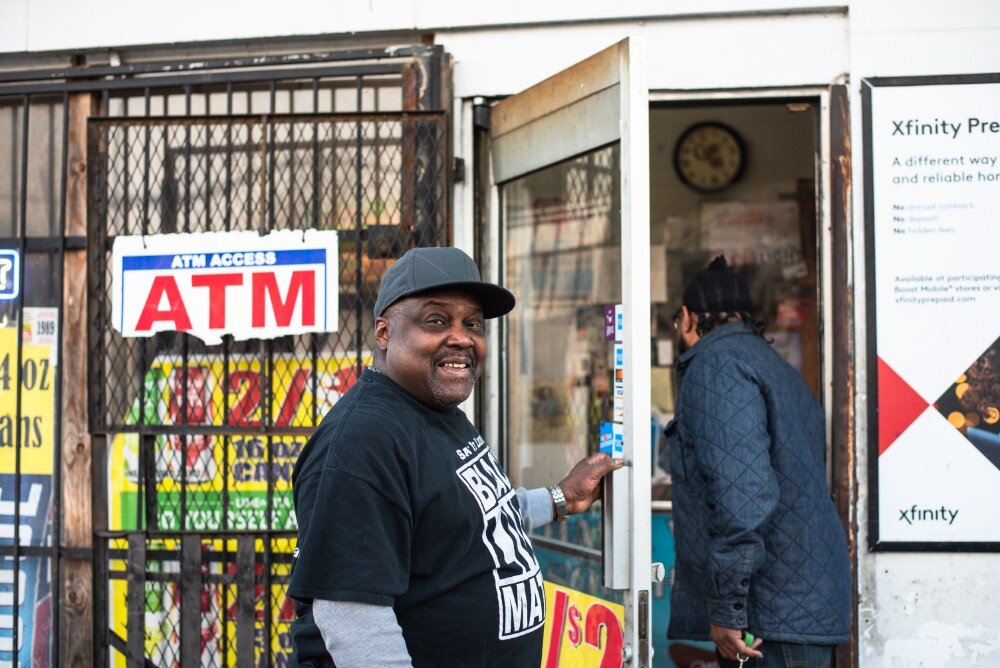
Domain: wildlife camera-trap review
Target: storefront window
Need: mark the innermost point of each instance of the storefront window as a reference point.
(562, 262)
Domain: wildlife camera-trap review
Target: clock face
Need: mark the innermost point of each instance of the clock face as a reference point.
(709, 156)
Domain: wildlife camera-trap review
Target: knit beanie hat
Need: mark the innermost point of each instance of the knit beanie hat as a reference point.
(718, 289)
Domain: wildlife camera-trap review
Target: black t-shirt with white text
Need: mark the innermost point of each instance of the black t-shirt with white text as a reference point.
(402, 505)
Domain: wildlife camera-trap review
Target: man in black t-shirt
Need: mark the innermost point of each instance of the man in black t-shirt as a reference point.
(413, 546)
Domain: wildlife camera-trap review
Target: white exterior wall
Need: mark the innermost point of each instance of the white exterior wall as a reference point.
(47, 25)
(916, 609)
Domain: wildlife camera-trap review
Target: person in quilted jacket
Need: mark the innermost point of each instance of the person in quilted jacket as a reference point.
(760, 546)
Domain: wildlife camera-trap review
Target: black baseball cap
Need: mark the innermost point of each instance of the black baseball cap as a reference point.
(428, 269)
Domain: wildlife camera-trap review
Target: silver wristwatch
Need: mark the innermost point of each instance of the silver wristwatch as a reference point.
(559, 499)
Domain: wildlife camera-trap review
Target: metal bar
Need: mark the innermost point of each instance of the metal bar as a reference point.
(145, 174)
(267, 419)
(100, 586)
(245, 584)
(23, 225)
(168, 534)
(195, 430)
(227, 340)
(359, 229)
(316, 204)
(248, 176)
(269, 131)
(97, 231)
(116, 641)
(201, 65)
(46, 244)
(190, 600)
(211, 78)
(257, 119)
(268, 612)
(226, 380)
(45, 551)
(135, 602)
(57, 481)
(208, 178)
(187, 161)
(184, 337)
(184, 419)
(316, 168)
(842, 325)
(126, 151)
(146, 494)
(148, 483)
(566, 548)
(229, 159)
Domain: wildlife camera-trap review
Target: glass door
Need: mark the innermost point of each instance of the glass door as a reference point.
(570, 160)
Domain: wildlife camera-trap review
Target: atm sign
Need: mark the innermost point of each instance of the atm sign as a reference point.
(213, 284)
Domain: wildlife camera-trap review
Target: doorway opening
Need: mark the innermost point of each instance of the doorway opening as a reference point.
(735, 178)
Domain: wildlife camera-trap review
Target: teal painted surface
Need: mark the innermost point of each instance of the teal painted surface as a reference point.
(585, 576)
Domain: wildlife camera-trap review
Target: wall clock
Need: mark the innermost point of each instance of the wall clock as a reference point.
(709, 156)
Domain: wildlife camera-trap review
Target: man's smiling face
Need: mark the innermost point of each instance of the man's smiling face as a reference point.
(434, 346)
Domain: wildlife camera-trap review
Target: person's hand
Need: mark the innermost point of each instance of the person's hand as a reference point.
(582, 485)
(730, 641)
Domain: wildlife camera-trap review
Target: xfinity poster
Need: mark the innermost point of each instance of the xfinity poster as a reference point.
(932, 196)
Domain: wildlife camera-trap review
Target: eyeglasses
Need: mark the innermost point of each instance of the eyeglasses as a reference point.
(676, 319)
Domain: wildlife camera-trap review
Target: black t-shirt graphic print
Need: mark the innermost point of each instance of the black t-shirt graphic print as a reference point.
(520, 594)
(402, 505)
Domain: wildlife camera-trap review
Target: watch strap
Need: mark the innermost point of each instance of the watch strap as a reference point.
(559, 500)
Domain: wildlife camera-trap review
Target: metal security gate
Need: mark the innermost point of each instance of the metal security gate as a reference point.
(153, 524)
(202, 439)
(32, 248)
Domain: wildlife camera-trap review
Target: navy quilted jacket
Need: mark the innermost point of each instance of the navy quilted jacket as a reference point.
(759, 542)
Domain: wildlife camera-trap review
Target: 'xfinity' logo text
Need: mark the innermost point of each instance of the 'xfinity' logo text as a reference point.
(914, 514)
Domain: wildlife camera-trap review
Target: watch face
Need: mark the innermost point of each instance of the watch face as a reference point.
(709, 156)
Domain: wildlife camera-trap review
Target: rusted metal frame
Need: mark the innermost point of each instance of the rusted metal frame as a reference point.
(259, 119)
(135, 601)
(842, 308)
(18, 380)
(205, 65)
(190, 607)
(257, 76)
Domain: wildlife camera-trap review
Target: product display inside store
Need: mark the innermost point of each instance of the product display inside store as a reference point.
(764, 222)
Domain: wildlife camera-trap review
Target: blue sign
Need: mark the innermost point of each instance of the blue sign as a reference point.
(10, 274)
